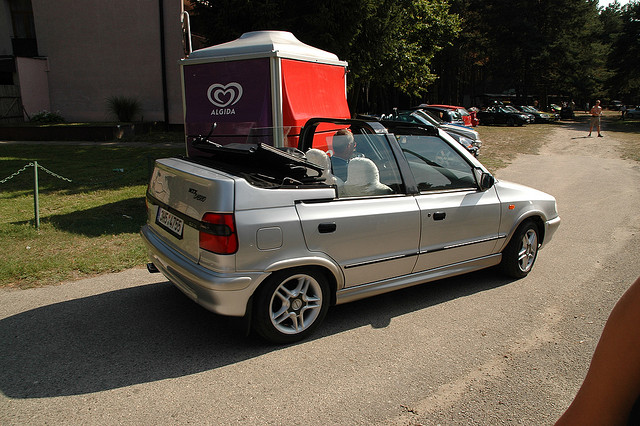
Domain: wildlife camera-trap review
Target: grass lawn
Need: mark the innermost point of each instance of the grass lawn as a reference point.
(500, 144)
(88, 226)
(91, 225)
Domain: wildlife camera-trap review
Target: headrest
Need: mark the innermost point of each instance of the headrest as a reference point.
(363, 178)
(320, 158)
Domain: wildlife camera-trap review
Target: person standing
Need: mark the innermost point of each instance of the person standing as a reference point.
(596, 115)
(344, 148)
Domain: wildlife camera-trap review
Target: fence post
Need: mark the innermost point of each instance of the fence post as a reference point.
(36, 204)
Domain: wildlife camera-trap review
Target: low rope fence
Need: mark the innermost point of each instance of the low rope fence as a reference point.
(36, 167)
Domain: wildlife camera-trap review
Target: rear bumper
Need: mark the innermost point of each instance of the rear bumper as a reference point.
(222, 293)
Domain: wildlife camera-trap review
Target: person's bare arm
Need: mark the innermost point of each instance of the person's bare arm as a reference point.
(612, 384)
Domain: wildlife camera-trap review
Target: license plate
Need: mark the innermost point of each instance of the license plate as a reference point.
(170, 222)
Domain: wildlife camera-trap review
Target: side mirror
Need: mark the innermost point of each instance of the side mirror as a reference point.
(485, 180)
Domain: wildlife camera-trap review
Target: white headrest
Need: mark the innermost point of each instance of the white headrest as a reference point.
(363, 178)
(320, 158)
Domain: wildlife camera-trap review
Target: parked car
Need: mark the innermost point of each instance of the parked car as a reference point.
(466, 116)
(616, 105)
(467, 137)
(633, 113)
(499, 114)
(530, 117)
(567, 112)
(273, 235)
(555, 108)
(539, 116)
(445, 114)
(473, 111)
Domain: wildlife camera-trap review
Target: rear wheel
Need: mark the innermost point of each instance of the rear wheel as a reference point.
(521, 252)
(290, 305)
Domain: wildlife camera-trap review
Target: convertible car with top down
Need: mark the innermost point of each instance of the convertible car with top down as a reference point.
(275, 236)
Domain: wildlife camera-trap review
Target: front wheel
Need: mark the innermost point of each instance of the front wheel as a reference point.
(521, 252)
(290, 305)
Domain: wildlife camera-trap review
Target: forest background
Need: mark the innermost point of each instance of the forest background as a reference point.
(462, 52)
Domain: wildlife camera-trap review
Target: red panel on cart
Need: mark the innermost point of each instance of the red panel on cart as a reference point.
(312, 90)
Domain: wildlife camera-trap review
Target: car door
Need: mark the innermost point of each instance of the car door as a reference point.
(372, 234)
(458, 221)
(488, 116)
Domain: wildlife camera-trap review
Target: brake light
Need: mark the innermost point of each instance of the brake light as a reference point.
(218, 233)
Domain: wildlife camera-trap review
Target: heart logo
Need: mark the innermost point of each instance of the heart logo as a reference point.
(223, 96)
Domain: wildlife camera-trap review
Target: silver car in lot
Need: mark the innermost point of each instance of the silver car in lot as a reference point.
(633, 112)
(466, 136)
(274, 235)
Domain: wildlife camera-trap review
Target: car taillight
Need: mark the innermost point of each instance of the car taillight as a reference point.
(218, 233)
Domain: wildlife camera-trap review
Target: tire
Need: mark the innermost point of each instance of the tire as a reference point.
(290, 305)
(521, 252)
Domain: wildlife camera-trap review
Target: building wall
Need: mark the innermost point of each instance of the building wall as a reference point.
(34, 85)
(97, 49)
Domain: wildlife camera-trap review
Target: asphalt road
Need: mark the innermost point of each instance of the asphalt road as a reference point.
(128, 348)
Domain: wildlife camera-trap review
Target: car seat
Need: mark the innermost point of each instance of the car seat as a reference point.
(363, 178)
(320, 158)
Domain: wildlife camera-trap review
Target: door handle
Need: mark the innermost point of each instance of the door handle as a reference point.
(326, 228)
(439, 215)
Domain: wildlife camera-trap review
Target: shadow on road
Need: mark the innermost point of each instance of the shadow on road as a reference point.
(153, 332)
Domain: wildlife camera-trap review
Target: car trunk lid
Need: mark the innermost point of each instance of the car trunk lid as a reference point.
(179, 195)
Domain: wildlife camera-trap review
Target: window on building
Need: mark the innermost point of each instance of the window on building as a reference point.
(24, 30)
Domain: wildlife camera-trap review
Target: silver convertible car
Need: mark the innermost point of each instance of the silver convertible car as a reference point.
(277, 235)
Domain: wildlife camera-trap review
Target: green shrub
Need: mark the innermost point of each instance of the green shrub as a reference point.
(124, 108)
(47, 117)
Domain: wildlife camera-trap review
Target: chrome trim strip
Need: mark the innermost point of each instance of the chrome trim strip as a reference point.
(372, 262)
(484, 240)
(350, 294)
(402, 256)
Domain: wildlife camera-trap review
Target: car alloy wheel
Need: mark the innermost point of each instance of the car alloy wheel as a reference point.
(290, 305)
(528, 250)
(521, 252)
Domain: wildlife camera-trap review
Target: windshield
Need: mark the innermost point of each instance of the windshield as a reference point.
(427, 118)
(455, 116)
(463, 112)
(510, 108)
(427, 115)
(223, 134)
